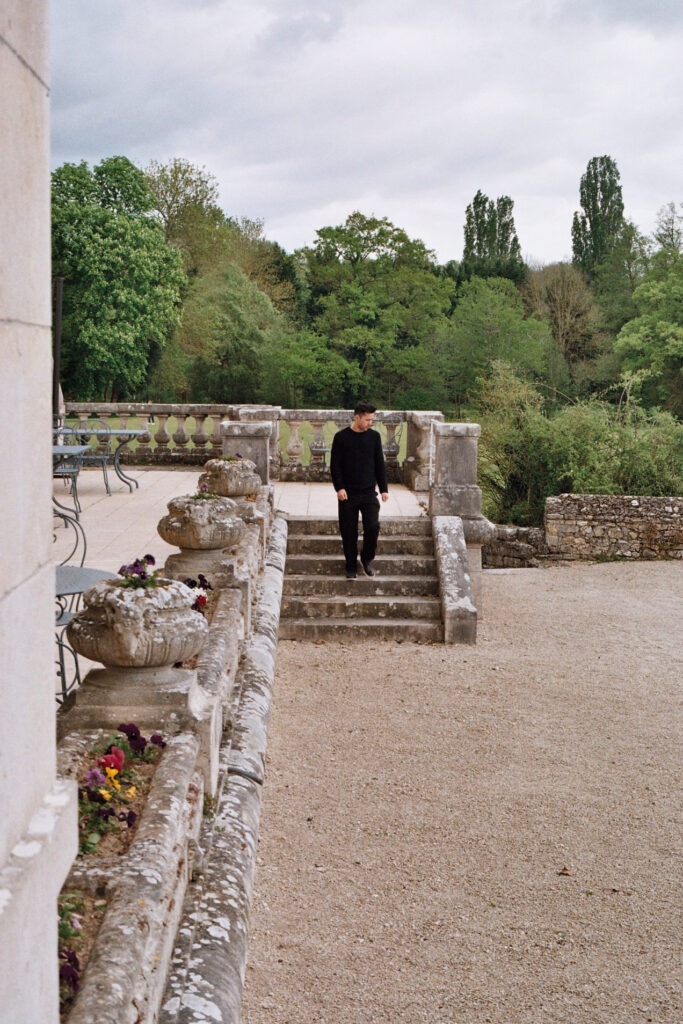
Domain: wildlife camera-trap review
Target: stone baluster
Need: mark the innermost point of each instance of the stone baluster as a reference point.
(216, 438)
(318, 444)
(390, 447)
(161, 436)
(294, 446)
(200, 439)
(180, 435)
(143, 448)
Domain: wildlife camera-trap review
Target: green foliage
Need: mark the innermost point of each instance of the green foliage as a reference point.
(653, 341)
(489, 324)
(491, 244)
(618, 276)
(374, 293)
(122, 282)
(587, 447)
(560, 294)
(228, 324)
(300, 371)
(596, 230)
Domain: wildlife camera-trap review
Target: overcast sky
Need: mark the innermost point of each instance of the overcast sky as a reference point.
(305, 110)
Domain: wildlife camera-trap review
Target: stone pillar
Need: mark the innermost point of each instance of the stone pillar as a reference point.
(38, 834)
(261, 414)
(249, 440)
(454, 490)
(418, 465)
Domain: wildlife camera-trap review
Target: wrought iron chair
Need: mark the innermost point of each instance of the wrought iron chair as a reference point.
(70, 536)
(103, 454)
(67, 469)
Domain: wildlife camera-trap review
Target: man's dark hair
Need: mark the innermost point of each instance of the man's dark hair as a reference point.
(363, 408)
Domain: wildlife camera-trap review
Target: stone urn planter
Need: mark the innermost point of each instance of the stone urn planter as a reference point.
(142, 627)
(201, 524)
(230, 477)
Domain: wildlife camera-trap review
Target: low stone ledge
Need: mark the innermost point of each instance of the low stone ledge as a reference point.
(207, 972)
(217, 663)
(455, 586)
(515, 547)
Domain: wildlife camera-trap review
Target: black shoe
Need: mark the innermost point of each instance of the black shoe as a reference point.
(368, 569)
(351, 574)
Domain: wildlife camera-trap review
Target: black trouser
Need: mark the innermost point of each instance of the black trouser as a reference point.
(367, 503)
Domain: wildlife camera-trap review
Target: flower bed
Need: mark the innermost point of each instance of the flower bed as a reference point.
(114, 778)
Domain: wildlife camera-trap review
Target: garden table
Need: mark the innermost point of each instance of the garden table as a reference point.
(123, 437)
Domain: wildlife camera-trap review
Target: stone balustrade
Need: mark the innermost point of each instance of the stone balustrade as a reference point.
(300, 439)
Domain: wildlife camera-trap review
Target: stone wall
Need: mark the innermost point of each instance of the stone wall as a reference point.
(613, 526)
(590, 526)
(38, 830)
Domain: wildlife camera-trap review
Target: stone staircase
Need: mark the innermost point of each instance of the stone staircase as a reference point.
(400, 603)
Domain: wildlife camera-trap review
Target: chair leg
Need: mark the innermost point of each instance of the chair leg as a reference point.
(74, 492)
(106, 478)
(66, 687)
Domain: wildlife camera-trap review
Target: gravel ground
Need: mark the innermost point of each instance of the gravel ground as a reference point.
(480, 834)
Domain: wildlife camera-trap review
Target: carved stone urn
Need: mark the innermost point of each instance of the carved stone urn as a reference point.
(230, 477)
(206, 529)
(138, 627)
(201, 524)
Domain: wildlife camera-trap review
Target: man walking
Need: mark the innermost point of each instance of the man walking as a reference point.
(357, 466)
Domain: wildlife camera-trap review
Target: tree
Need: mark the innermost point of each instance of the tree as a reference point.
(596, 231)
(652, 343)
(669, 233)
(228, 325)
(560, 294)
(489, 325)
(300, 370)
(374, 291)
(361, 239)
(491, 244)
(619, 274)
(122, 282)
(178, 187)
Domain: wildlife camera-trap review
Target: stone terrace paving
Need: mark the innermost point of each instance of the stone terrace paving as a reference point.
(122, 526)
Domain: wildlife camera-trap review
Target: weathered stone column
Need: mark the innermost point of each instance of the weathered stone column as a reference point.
(271, 414)
(249, 440)
(454, 490)
(418, 465)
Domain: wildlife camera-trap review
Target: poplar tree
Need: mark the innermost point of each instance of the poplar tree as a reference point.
(596, 231)
(491, 244)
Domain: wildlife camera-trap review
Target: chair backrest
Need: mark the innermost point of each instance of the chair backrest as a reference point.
(69, 535)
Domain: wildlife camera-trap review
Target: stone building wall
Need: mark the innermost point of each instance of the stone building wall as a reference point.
(590, 526)
(38, 824)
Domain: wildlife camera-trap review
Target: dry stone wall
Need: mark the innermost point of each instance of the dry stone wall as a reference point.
(613, 526)
(590, 526)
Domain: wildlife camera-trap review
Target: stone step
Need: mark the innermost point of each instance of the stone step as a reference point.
(326, 607)
(333, 565)
(390, 544)
(396, 524)
(401, 630)
(299, 586)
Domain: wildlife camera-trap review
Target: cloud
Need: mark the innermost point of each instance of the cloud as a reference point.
(306, 111)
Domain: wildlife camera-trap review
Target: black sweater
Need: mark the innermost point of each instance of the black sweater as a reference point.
(357, 461)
